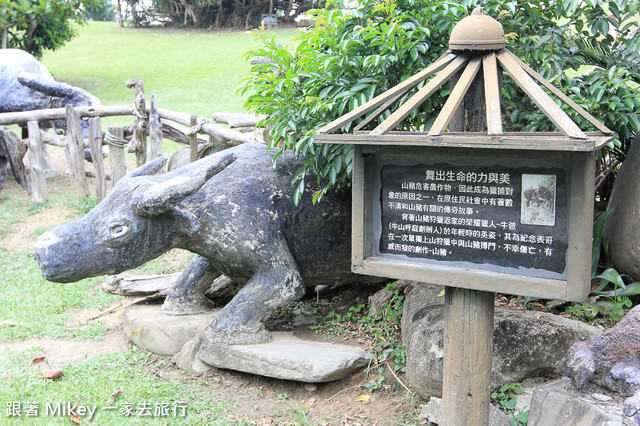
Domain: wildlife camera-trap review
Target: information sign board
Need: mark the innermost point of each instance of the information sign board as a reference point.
(269, 19)
(503, 217)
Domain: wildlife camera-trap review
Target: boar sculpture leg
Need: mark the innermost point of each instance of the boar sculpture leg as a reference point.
(235, 211)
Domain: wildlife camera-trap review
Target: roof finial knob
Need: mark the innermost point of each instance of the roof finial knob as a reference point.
(477, 32)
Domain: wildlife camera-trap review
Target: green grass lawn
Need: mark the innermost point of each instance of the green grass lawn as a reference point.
(191, 71)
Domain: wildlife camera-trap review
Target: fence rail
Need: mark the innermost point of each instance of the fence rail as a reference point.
(150, 121)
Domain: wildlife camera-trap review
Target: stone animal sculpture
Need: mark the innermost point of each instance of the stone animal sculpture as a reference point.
(236, 212)
(611, 359)
(26, 84)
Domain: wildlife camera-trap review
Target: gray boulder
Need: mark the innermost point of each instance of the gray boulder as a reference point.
(559, 403)
(622, 231)
(525, 343)
(611, 359)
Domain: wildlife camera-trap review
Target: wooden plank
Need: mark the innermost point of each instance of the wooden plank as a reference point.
(557, 142)
(553, 89)
(455, 98)
(377, 113)
(582, 181)
(95, 146)
(398, 89)
(557, 116)
(75, 153)
(358, 223)
(36, 162)
(492, 92)
(23, 117)
(417, 99)
(521, 285)
(468, 333)
(234, 119)
(115, 140)
(154, 150)
(131, 285)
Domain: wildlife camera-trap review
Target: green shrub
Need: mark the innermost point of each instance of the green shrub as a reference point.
(350, 56)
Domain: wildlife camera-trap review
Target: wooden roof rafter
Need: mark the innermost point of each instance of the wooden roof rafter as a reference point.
(488, 56)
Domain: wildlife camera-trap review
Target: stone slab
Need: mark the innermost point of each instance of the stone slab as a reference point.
(288, 357)
(162, 334)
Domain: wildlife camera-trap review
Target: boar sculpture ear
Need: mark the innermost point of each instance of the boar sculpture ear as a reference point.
(151, 168)
(164, 195)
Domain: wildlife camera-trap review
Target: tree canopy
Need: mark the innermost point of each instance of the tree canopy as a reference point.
(352, 55)
(38, 25)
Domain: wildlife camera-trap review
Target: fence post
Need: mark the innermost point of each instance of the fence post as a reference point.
(138, 143)
(95, 146)
(115, 140)
(75, 152)
(193, 143)
(154, 149)
(36, 161)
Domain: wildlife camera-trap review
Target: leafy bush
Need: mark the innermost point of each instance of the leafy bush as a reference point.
(35, 25)
(350, 56)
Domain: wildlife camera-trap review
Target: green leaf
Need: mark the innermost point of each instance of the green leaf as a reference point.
(598, 227)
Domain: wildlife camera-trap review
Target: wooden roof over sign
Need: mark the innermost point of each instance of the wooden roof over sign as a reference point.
(477, 43)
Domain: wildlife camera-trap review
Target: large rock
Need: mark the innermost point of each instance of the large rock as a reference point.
(525, 343)
(162, 334)
(622, 231)
(287, 357)
(611, 359)
(559, 403)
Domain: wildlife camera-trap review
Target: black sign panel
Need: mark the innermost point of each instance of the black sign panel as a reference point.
(487, 215)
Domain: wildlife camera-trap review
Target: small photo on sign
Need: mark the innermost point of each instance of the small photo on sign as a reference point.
(538, 206)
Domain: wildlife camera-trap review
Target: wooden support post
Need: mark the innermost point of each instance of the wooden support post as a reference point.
(154, 149)
(36, 162)
(95, 146)
(138, 143)
(468, 333)
(75, 153)
(194, 140)
(115, 140)
(468, 315)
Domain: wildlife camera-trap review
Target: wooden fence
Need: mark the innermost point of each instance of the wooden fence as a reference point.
(150, 122)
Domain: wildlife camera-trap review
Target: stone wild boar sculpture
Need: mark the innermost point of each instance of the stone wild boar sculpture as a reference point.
(26, 84)
(232, 209)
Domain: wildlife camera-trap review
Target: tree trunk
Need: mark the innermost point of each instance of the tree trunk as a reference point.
(287, 16)
(120, 19)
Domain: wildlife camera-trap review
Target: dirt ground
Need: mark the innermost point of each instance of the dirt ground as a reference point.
(258, 400)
